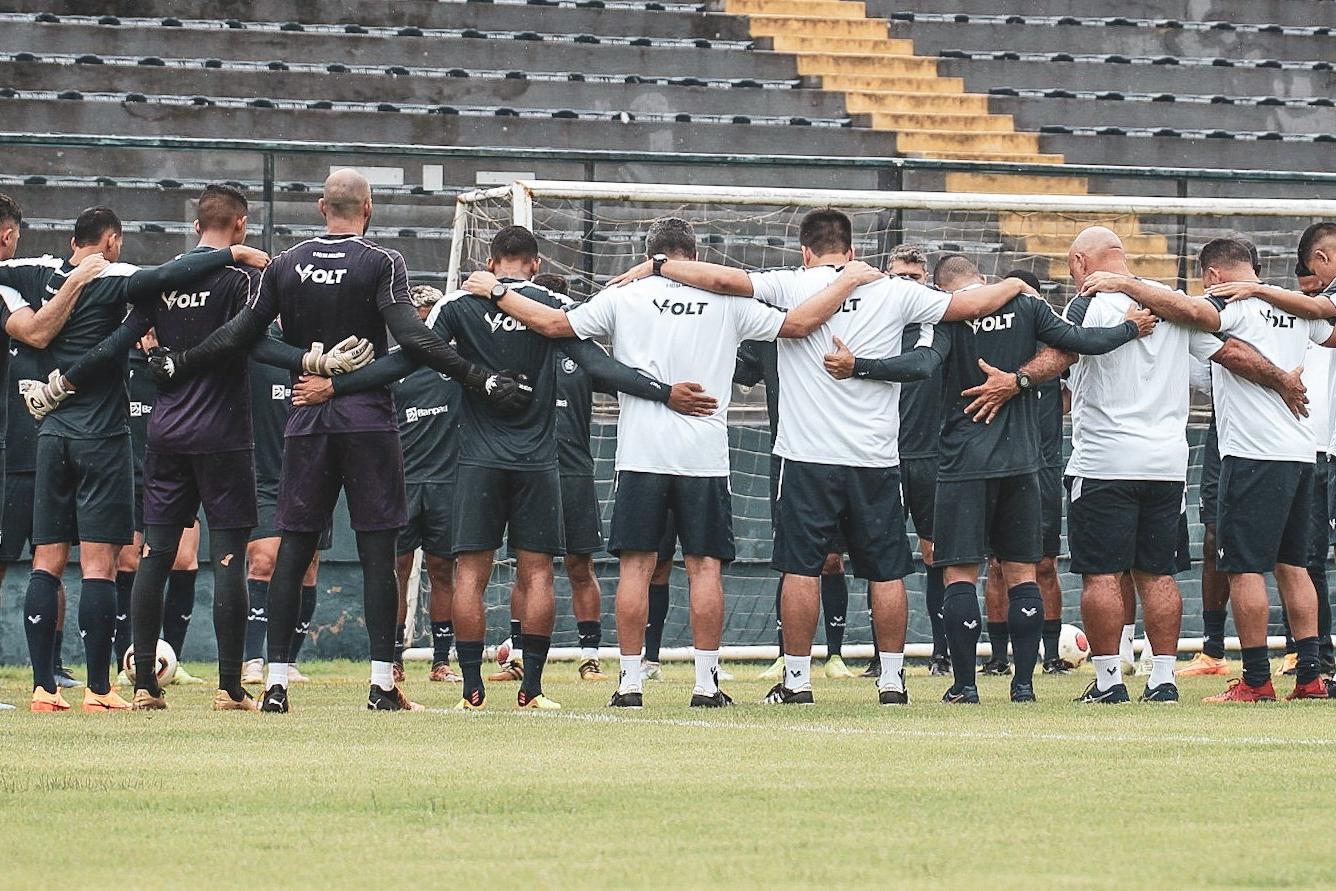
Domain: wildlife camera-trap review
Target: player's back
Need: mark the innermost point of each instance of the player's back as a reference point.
(427, 403)
(574, 403)
(921, 403)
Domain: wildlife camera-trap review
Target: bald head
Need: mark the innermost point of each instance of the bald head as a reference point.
(347, 196)
(1096, 249)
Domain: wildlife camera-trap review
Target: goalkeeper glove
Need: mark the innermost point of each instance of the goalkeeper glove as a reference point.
(506, 392)
(42, 398)
(165, 365)
(349, 354)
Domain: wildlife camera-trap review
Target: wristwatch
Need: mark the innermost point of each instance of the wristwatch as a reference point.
(499, 290)
(1023, 381)
(659, 260)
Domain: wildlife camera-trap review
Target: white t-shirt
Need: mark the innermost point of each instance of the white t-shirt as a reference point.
(1253, 421)
(1130, 406)
(675, 333)
(1317, 378)
(853, 422)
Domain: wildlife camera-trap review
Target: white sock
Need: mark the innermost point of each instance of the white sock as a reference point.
(797, 673)
(382, 675)
(630, 680)
(892, 672)
(1108, 671)
(1125, 651)
(278, 675)
(588, 652)
(1161, 670)
(707, 668)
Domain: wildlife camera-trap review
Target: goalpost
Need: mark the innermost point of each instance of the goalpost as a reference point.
(591, 231)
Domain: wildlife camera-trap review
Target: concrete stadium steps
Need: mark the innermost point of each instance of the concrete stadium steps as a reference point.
(1282, 12)
(1035, 114)
(1151, 151)
(985, 74)
(774, 27)
(946, 87)
(926, 103)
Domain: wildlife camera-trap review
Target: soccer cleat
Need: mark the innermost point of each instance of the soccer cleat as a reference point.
(252, 672)
(511, 671)
(6, 707)
(295, 676)
(111, 701)
(995, 668)
(1144, 665)
(590, 671)
(836, 669)
(471, 702)
(393, 700)
(1240, 690)
(275, 700)
(398, 670)
(651, 671)
(939, 666)
(145, 701)
(629, 699)
(1058, 666)
(1317, 688)
(893, 697)
(539, 702)
(723, 674)
(873, 669)
(1161, 693)
(442, 673)
(184, 677)
(719, 699)
(65, 680)
(124, 680)
(782, 695)
(1023, 692)
(1290, 664)
(43, 701)
(961, 696)
(223, 702)
(1115, 695)
(1203, 665)
(776, 670)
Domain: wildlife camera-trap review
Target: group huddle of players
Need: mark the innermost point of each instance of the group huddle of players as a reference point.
(887, 396)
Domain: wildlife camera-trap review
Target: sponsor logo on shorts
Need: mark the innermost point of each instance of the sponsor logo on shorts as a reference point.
(309, 272)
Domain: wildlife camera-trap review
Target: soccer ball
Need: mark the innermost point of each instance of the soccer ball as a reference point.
(166, 663)
(503, 652)
(1072, 645)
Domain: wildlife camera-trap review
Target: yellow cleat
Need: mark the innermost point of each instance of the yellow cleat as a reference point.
(145, 701)
(836, 669)
(591, 671)
(464, 705)
(184, 677)
(111, 701)
(539, 702)
(1203, 665)
(1291, 664)
(223, 702)
(776, 670)
(43, 701)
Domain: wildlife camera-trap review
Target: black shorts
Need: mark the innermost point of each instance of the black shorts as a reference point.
(1210, 476)
(177, 486)
(819, 502)
(1050, 510)
(1117, 525)
(83, 491)
(1320, 525)
(668, 541)
(642, 504)
(1265, 514)
(16, 520)
(431, 508)
(580, 515)
(523, 506)
(1000, 517)
(367, 466)
(266, 516)
(918, 486)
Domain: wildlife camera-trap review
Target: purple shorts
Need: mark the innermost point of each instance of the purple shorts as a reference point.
(176, 486)
(368, 466)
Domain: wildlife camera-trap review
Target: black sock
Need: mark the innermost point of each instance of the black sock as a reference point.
(658, 615)
(935, 594)
(516, 635)
(257, 618)
(442, 638)
(535, 657)
(1256, 666)
(998, 638)
(1309, 666)
(97, 627)
(304, 618)
(146, 601)
(40, 606)
(1025, 620)
(590, 634)
(227, 549)
(1052, 631)
(1213, 633)
(179, 607)
(961, 619)
(400, 631)
(834, 607)
(779, 616)
(295, 552)
(470, 666)
(1325, 649)
(125, 582)
(380, 590)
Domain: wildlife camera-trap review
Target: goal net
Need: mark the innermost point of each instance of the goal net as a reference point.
(589, 232)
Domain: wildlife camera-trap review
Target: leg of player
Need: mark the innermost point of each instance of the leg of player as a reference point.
(304, 619)
(706, 585)
(260, 556)
(295, 550)
(934, 594)
(401, 617)
(513, 670)
(1214, 611)
(775, 671)
(473, 570)
(380, 600)
(587, 604)
(540, 607)
(64, 678)
(632, 609)
(1162, 608)
(800, 603)
(1300, 599)
(1290, 664)
(659, 591)
(1051, 589)
(226, 547)
(995, 608)
(961, 620)
(146, 601)
(1127, 640)
(97, 624)
(127, 564)
(1102, 615)
(1025, 622)
(835, 609)
(890, 612)
(180, 604)
(441, 574)
(41, 609)
(1249, 602)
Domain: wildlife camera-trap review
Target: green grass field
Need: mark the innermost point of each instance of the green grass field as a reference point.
(840, 794)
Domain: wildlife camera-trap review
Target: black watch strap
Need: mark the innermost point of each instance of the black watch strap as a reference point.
(658, 261)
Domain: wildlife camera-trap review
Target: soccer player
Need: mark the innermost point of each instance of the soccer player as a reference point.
(338, 288)
(85, 478)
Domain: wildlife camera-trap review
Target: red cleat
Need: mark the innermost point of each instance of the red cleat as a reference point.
(1239, 691)
(1314, 689)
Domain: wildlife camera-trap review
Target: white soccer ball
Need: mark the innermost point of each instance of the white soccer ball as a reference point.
(166, 668)
(503, 652)
(1073, 645)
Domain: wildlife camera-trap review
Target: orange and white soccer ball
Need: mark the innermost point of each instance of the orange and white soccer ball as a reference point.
(504, 651)
(166, 668)
(1073, 645)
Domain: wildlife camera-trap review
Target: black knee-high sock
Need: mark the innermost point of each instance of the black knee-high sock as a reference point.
(470, 667)
(1324, 644)
(146, 601)
(516, 635)
(125, 582)
(658, 615)
(590, 634)
(1213, 632)
(1052, 631)
(295, 551)
(1309, 666)
(400, 632)
(442, 639)
(961, 620)
(779, 616)
(834, 607)
(935, 594)
(1025, 620)
(97, 627)
(535, 657)
(380, 590)
(40, 606)
(178, 608)
(257, 618)
(304, 619)
(227, 549)
(1256, 666)
(999, 637)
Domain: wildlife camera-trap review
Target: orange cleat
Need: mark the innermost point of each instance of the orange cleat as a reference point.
(1203, 665)
(43, 701)
(111, 701)
(223, 702)
(145, 701)
(1239, 691)
(511, 671)
(1314, 689)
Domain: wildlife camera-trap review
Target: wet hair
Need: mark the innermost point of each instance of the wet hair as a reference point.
(557, 284)
(93, 224)
(514, 243)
